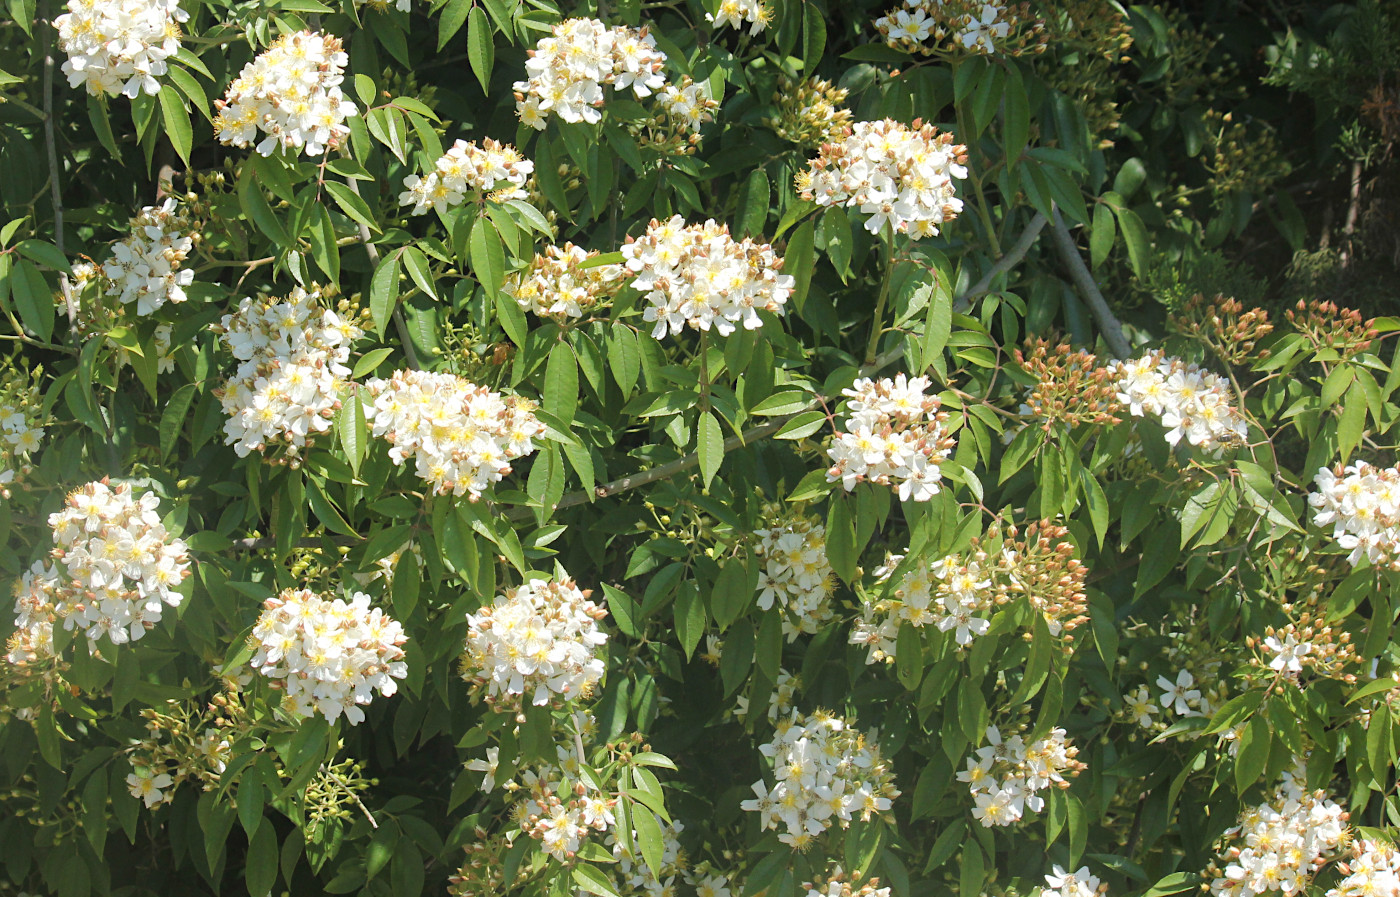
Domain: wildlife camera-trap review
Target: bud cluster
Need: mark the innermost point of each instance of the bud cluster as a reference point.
(540, 638)
(1310, 643)
(116, 567)
(1362, 503)
(826, 773)
(896, 174)
(291, 92)
(562, 284)
(461, 437)
(183, 742)
(1071, 388)
(836, 885)
(1189, 400)
(331, 655)
(697, 275)
(21, 425)
(1005, 777)
(493, 171)
(963, 26)
(567, 71)
(145, 267)
(809, 112)
(292, 356)
(1091, 38)
(1223, 324)
(119, 47)
(1280, 844)
(1329, 327)
(894, 436)
(796, 573)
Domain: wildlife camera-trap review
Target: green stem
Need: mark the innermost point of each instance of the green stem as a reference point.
(887, 256)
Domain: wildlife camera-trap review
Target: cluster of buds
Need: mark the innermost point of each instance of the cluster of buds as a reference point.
(1244, 157)
(1041, 566)
(116, 567)
(1095, 34)
(1362, 504)
(1080, 883)
(796, 572)
(568, 70)
(563, 283)
(894, 436)
(1225, 325)
(493, 171)
(539, 639)
(145, 267)
(673, 125)
(482, 873)
(895, 174)
(1373, 868)
(963, 26)
(290, 92)
(698, 276)
(183, 743)
(1070, 389)
(1341, 332)
(735, 13)
(21, 424)
(809, 112)
(292, 356)
(462, 437)
(836, 884)
(1189, 400)
(119, 48)
(555, 804)
(826, 773)
(1309, 643)
(1280, 844)
(1007, 776)
(330, 655)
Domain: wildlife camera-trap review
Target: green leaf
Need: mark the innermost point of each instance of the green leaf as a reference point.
(416, 264)
(41, 252)
(481, 52)
(689, 613)
(1176, 883)
(709, 443)
(256, 209)
(813, 36)
(488, 258)
(802, 425)
(1016, 116)
(177, 121)
(799, 260)
(1101, 235)
(352, 204)
(754, 200)
(841, 538)
(1253, 753)
(172, 419)
(384, 292)
(733, 593)
(1136, 239)
(451, 19)
(560, 396)
(590, 879)
(33, 298)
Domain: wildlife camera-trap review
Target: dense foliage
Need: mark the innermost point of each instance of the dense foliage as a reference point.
(735, 448)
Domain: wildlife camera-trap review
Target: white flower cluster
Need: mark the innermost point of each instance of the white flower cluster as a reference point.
(462, 437)
(32, 641)
(494, 171)
(291, 92)
(292, 356)
(567, 71)
(331, 656)
(119, 47)
(895, 174)
(894, 436)
(117, 566)
(21, 432)
(1006, 776)
(826, 772)
(950, 594)
(145, 267)
(735, 13)
(1362, 504)
(1284, 842)
(836, 885)
(796, 572)
(1189, 400)
(698, 275)
(1372, 871)
(540, 638)
(562, 284)
(973, 29)
(1081, 883)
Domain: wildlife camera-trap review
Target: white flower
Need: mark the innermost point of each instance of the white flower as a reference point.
(825, 773)
(145, 267)
(894, 173)
(969, 25)
(1080, 883)
(119, 47)
(538, 641)
(1288, 653)
(698, 276)
(1179, 695)
(1189, 401)
(462, 437)
(1139, 706)
(291, 93)
(21, 429)
(494, 171)
(1374, 871)
(146, 787)
(1005, 776)
(796, 572)
(330, 655)
(735, 13)
(562, 285)
(292, 370)
(489, 766)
